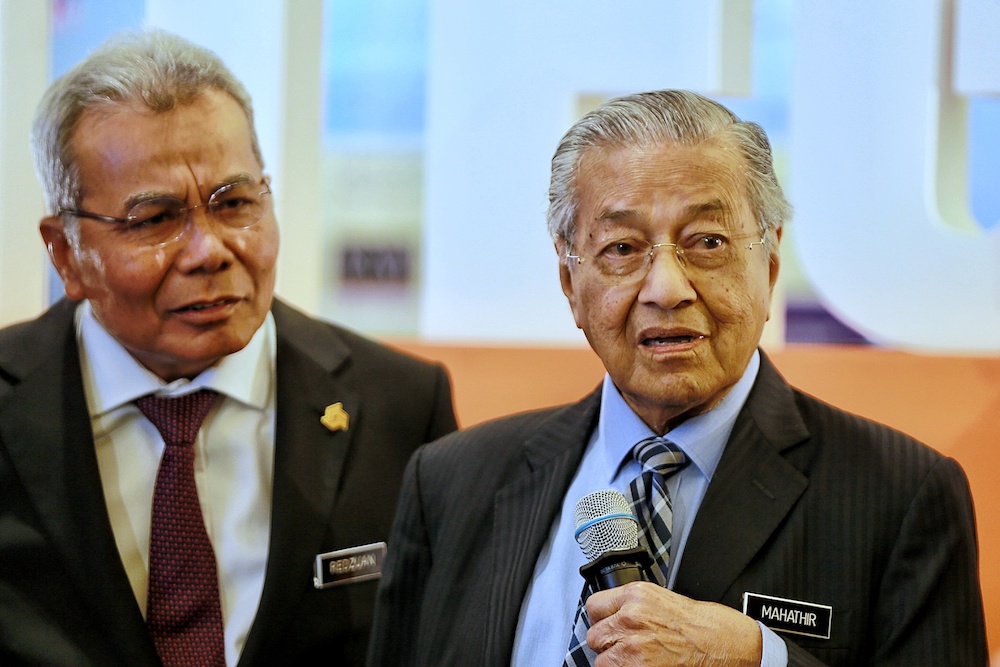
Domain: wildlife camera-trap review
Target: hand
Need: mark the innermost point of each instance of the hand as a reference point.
(643, 624)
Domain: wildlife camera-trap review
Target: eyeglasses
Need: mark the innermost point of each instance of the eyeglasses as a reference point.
(626, 261)
(162, 220)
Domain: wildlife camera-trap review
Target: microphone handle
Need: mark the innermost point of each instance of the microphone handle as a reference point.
(617, 568)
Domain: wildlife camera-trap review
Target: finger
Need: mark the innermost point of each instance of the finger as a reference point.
(613, 613)
(603, 604)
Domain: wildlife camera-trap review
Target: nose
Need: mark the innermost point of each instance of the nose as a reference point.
(204, 243)
(666, 282)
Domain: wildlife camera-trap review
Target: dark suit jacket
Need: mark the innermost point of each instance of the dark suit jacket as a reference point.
(808, 503)
(64, 597)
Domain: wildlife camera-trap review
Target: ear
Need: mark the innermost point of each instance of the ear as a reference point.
(566, 279)
(774, 265)
(775, 260)
(63, 255)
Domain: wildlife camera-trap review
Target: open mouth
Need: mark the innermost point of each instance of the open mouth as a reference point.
(199, 307)
(681, 339)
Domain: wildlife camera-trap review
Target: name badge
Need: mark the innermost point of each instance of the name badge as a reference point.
(348, 566)
(791, 616)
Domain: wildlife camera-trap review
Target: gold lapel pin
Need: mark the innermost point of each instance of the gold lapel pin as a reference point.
(335, 418)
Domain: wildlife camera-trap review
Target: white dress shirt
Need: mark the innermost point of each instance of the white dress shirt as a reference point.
(234, 460)
(549, 606)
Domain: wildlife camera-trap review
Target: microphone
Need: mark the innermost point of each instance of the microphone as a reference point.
(608, 533)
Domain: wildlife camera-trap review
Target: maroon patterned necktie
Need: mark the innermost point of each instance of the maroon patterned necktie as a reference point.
(183, 612)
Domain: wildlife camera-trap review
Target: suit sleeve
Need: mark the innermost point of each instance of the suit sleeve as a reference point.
(443, 419)
(401, 589)
(929, 609)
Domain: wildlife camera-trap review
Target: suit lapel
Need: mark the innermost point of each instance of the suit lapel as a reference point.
(753, 490)
(308, 465)
(45, 426)
(524, 511)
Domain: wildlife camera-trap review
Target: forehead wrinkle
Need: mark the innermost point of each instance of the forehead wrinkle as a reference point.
(617, 215)
(669, 184)
(716, 206)
(718, 210)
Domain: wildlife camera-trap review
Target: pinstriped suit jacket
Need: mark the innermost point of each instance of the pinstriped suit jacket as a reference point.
(809, 503)
(65, 600)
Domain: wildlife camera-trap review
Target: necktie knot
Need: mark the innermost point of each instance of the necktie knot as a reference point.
(178, 418)
(659, 456)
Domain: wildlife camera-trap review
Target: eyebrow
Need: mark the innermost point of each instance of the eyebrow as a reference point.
(144, 196)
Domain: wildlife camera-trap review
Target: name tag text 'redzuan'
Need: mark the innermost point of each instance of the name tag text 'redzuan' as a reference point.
(349, 565)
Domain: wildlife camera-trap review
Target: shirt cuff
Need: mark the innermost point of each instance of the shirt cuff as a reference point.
(774, 653)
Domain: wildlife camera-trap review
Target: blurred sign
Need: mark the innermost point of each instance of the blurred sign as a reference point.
(376, 264)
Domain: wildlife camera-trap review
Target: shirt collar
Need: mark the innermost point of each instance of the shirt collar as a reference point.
(114, 378)
(702, 438)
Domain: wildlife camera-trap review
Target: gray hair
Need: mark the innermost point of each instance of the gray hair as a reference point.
(152, 69)
(666, 116)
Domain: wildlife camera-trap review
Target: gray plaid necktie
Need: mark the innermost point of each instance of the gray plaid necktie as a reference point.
(650, 501)
(651, 505)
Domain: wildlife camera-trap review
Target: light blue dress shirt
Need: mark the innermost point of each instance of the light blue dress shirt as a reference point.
(545, 623)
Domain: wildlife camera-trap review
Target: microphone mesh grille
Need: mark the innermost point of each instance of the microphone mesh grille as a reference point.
(607, 532)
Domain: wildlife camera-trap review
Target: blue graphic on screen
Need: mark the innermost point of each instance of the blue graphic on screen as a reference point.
(375, 68)
(984, 161)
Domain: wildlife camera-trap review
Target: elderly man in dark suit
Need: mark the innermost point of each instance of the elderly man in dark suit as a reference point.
(133, 532)
(781, 530)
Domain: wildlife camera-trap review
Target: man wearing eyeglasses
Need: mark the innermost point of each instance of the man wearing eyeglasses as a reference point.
(191, 471)
(768, 527)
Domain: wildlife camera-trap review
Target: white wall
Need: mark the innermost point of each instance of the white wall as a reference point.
(24, 56)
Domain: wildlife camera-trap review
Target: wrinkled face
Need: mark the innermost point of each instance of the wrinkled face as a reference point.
(178, 307)
(673, 336)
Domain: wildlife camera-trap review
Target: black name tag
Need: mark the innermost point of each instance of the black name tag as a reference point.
(791, 616)
(349, 565)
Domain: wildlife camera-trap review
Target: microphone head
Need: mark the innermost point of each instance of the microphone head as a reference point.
(604, 522)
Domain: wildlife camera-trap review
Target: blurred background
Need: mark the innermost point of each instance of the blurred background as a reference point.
(409, 141)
